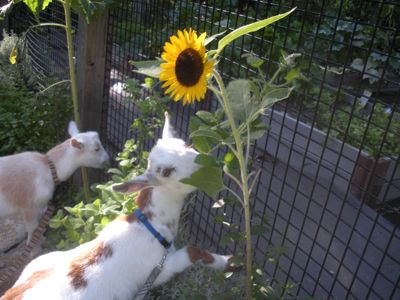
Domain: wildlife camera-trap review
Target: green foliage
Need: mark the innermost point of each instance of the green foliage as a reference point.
(249, 100)
(149, 68)
(381, 137)
(88, 8)
(150, 108)
(242, 30)
(82, 222)
(208, 178)
(201, 283)
(30, 120)
(91, 8)
(380, 125)
(36, 6)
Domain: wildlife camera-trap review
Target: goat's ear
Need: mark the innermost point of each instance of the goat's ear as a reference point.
(76, 144)
(72, 129)
(131, 186)
(168, 131)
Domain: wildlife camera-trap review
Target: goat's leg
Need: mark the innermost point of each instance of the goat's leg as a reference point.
(31, 220)
(180, 260)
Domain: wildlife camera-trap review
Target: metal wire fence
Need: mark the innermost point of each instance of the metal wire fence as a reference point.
(330, 177)
(46, 45)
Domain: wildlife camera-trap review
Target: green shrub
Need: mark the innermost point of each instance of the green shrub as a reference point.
(82, 222)
(30, 120)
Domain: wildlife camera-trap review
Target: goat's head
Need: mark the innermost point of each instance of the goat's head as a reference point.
(169, 161)
(88, 148)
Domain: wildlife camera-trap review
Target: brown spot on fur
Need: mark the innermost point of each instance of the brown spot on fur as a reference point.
(79, 265)
(196, 254)
(126, 218)
(144, 198)
(15, 187)
(17, 292)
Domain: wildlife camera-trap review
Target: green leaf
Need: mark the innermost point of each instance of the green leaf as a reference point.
(149, 67)
(275, 95)
(292, 74)
(231, 237)
(259, 230)
(91, 8)
(206, 160)
(248, 29)
(36, 6)
(207, 133)
(206, 179)
(104, 221)
(13, 55)
(207, 117)
(219, 219)
(201, 144)
(72, 235)
(253, 61)
(228, 157)
(213, 37)
(239, 94)
(56, 223)
(148, 83)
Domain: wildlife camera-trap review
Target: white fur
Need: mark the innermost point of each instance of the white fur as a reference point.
(26, 183)
(72, 129)
(135, 252)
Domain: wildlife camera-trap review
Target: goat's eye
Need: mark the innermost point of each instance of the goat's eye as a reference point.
(97, 149)
(167, 172)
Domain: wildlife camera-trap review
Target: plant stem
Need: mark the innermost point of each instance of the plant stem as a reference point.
(74, 90)
(53, 85)
(245, 188)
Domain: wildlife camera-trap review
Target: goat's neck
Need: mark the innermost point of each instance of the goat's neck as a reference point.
(64, 160)
(165, 207)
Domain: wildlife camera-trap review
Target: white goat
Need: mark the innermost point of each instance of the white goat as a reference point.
(28, 179)
(117, 263)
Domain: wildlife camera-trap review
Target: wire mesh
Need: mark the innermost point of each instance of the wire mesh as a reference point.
(46, 45)
(330, 176)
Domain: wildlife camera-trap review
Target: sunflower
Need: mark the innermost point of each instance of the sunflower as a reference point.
(186, 69)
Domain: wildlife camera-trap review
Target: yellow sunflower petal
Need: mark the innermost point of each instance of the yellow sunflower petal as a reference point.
(180, 77)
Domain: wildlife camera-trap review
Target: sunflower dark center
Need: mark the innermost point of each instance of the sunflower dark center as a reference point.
(189, 67)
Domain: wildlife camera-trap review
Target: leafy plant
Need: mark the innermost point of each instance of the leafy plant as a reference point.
(235, 126)
(380, 127)
(82, 222)
(150, 109)
(30, 120)
(89, 9)
(379, 123)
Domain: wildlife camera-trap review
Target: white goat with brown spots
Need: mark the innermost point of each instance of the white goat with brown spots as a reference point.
(117, 263)
(28, 179)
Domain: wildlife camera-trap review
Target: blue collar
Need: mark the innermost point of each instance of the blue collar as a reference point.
(150, 227)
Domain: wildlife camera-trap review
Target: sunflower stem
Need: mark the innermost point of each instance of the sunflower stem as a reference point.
(241, 156)
(74, 89)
